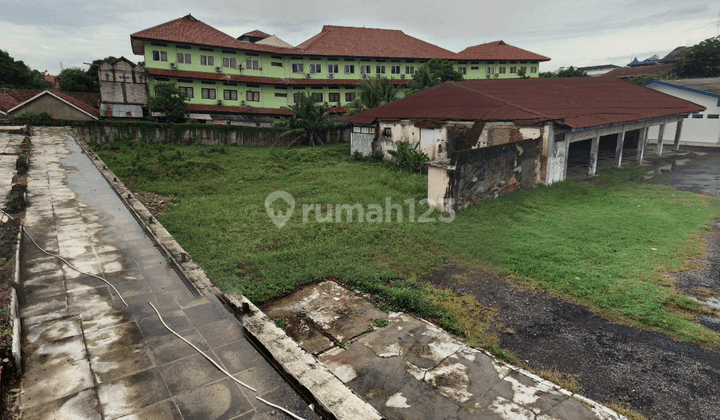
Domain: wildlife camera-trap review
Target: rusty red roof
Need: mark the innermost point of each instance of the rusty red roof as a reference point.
(629, 72)
(257, 79)
(501, 51)
(7, 101)
(224, 109)
(580, 102)
(369, 42)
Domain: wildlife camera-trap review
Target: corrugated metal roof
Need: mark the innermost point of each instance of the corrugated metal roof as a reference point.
(704, 84)
(499, 50)
(578, 102)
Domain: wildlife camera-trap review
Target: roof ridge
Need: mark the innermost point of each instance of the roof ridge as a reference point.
(459, 84)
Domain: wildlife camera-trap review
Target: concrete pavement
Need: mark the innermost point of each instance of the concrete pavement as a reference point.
(87, 355)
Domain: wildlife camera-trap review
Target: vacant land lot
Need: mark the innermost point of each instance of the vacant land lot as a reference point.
(607, 244)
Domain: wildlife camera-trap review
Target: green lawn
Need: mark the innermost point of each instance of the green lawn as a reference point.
(607, 245)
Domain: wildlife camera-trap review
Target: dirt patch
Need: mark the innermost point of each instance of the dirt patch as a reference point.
(9, 378)
(646, 371)
(155, 203)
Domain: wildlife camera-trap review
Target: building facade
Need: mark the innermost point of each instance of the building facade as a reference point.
(123, 89)
(260, 74)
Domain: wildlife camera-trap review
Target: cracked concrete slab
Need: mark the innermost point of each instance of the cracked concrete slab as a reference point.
(411, 369)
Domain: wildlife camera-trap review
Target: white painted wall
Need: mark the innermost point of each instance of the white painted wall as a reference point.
(695, 131)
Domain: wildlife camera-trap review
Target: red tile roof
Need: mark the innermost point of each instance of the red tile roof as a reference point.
(257, 79)
(188, 30)
(577, 102)
(237, 109)
(256, 34)
(76, 102)
(368, 42)
(53, 80)
(7, 101)
(629, 72)
(499, 50)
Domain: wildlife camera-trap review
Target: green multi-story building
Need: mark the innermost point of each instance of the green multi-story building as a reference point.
(255, 75)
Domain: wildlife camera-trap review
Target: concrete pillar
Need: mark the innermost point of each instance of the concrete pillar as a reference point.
(661, 132)
(568, 138)
(594, 155)
(642, 141)
(678, 131)
(619, 148)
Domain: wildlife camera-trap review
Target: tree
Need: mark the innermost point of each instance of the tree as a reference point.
(569, 72)
(433, 73)
(522, 74)
(372, 93)
(16, 74)
(75, 79)
(309, 119)
(702, 60)
(170, 100)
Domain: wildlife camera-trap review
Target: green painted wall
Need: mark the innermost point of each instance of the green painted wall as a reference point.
(281, 66)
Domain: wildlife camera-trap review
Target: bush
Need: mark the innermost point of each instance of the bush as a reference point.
(32, 118)
(409, 158)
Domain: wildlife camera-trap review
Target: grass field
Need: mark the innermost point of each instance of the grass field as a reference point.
(607, 245)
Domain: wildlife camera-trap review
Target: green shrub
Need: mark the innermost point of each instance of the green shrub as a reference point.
(33, 118)
(409, 158)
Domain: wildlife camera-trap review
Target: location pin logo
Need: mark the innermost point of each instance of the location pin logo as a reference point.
(279, 218)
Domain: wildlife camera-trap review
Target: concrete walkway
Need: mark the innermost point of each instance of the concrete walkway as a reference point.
(87, 355)
(411, 369)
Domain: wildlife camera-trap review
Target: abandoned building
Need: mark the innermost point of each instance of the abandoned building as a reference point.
(59, 105)
(123, 89)
(487, 138)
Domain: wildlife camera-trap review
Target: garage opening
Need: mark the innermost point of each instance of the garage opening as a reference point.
(579, 153)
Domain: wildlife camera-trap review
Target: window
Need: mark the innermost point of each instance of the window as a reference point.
(713, 116)
(230, 95)
(184, 58)
(349, 96)
(276, 64)
(334, 97)
(513, 70)
(380, 69)
(159, 55)
(281, 95)
(159, 44)
(251, 64)
(395, 69)
(206, 49)
(523, 69)
(229, 62)
(317, 97)
(533, 69)
(315, 68)
(295, 96)
(207, 60)
(332, 68)
(409, 69)
(490, 70)
(462, 70)
(697, 115)
(107, 77)
(208, 93)
(349, 69)
(475, 68)
(253, 96)
(182, 47)
(298, 68)
(189, 92)
(502, 70)
(365, 69)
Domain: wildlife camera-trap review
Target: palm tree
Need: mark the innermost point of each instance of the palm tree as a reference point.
(372, 93)
(308, 119)
(433, 73)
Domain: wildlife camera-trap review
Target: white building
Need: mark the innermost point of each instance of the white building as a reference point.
(700, 128)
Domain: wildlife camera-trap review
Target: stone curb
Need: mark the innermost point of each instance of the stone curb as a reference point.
(14, 305)
(332, 398)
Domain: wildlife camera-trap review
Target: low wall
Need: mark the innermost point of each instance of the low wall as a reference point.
(191, 133)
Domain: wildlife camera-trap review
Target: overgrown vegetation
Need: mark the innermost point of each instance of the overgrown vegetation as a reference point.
(32, 118)
(17, 74)
(607, 245)
(171, 101)
(409, 158)
(309, 120)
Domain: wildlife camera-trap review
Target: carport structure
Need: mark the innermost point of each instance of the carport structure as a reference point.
(559, 111)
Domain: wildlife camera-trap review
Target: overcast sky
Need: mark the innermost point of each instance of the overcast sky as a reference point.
(45, 33)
